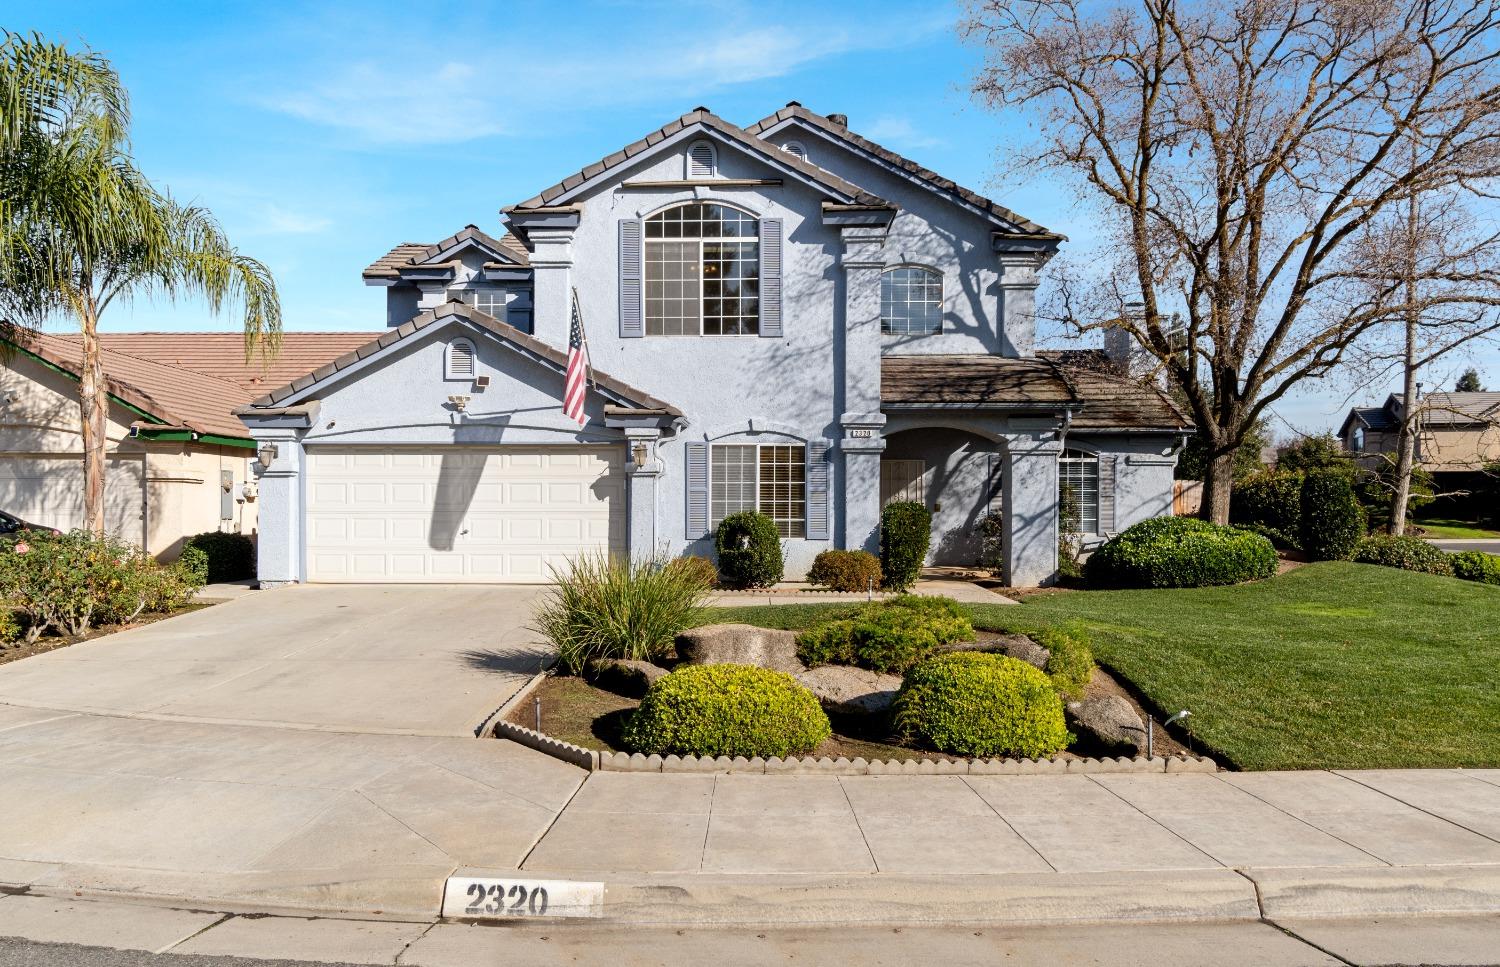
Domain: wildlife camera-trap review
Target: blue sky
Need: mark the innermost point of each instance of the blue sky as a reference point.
(322, 134)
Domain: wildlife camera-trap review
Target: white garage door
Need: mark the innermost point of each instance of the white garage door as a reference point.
(459, 514)
(49, 491)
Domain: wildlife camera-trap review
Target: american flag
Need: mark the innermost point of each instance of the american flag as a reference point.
(573, 388)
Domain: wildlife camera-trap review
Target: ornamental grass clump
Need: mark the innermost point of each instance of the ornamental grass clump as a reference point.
(730, 710)
(1180, 552)
(982, 706)
(615, 607)
(1407, 553)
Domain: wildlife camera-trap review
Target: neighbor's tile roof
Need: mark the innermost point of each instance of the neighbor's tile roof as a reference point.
(702, 115)
(388, 266)
(1460, 409)
(943, 185)
(193, 380)
(447, 310)
(1100, 398)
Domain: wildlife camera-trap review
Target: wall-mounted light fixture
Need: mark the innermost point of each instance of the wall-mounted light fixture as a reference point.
(459, 403)
(638, 453)
(267, 454)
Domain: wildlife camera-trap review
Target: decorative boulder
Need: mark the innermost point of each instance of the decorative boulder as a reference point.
(740, 645)
(626, 677)
(1022, 647)
(1109, 721)
(846, 690)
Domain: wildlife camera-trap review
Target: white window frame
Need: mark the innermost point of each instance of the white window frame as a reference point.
(450, 372)
(469, 296)
(942, 300)
(749, 325)
(689, 162)
(1088, 524)
(791, 526)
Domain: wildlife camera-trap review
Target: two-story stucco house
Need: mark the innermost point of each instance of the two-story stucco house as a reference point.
(786, 317)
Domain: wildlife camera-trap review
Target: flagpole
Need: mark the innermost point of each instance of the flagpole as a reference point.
(588, 354)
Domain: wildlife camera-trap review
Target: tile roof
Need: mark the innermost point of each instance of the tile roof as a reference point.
(406, 254)
(1100, 398)
(484, 321)
(1460, 409)
(703, 116)
(795, 111)
(190, 379)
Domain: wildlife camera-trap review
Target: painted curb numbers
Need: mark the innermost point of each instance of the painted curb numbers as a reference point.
(502, 898)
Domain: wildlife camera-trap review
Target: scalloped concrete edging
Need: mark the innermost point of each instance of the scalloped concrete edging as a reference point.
(808, 766)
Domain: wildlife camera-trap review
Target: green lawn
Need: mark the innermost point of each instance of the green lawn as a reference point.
(1457, 530)
(1328, 666)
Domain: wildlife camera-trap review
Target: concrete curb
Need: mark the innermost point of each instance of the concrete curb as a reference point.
(1376, 891)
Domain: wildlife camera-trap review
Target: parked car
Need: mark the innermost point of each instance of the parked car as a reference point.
(10, 524)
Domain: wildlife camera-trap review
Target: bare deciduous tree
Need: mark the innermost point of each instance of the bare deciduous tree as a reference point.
(1253, 158)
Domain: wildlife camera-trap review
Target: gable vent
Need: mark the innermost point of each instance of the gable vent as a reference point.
(795, 148)
(460, 360)
(701, 160)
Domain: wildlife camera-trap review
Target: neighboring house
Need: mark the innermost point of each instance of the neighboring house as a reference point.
(176, 457)
(786, 318)
(1457, 432)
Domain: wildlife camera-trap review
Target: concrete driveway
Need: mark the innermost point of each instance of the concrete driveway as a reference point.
(349, 658)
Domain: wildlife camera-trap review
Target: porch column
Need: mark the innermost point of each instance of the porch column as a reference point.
(281, 507)
(1030, 526)
(863, 259)
(642, 474)
(1020, 272)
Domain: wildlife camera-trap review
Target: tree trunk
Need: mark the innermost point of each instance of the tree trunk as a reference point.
(1218, 483)
(94, 411)
(1406, 441)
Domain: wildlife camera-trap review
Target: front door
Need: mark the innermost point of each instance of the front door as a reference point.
(903, 480)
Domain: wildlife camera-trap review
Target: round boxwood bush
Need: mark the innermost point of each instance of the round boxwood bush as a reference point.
(1333, 522)
(981, 705)
(1477, 566)
(713, 710)
(749, 547)
(1407, 553)
(1180, 552)
(845, 570)
(905, 532)
(231, 557)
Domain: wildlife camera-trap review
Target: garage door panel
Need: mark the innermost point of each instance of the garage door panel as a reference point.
(500, 515)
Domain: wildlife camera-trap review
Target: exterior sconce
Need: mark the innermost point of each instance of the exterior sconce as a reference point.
(267, 455)
(459, 403)
(638, 453)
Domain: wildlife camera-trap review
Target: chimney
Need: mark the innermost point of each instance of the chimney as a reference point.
(839, 120)
(1120, 346)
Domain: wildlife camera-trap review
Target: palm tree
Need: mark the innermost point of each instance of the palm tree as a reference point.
(81, 227)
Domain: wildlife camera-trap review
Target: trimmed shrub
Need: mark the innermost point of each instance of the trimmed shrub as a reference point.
(749, 547)
(1071, 664)
(1279, 539)
(231, 557)
(1476, 566)
(713, 710)
(990, 530)
(700, 568)
(1407, 553)
(890, 637)
(905, 533)
(1270, 500)
(1180, 552)
(981, 705)
(845, 570)
(10, 628)
(194, 563)
(615, 607)
(1333, 522)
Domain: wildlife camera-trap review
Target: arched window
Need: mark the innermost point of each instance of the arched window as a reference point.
(458, 360)
(702, 160)
(796, 148)
(911, 301)
(702, 271)
(1078, 492)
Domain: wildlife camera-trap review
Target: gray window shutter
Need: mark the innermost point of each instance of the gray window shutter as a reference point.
(1106, 493)
(770, 277)
(697, 490)
(632, 315)
(817, 490)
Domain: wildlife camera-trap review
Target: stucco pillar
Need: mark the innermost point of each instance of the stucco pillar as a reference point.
(281, 489)
(1020, 272)
(1030, 527)
(642, 476)
(552, 284)
(863, 259)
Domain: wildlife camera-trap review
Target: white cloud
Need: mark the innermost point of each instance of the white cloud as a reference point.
(396, 104)
(275, 220)
(898, 132)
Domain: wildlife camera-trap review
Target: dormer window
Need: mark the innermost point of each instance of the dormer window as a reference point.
(795, 148)
(487, 299)
(459, 360)
(702, 160)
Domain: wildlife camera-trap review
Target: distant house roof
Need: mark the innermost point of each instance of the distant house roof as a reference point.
(1460, 409)
(188, 380)
(703, 118)
(409, 254)
(935, 181)
(529, 344)
(1100, 399)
